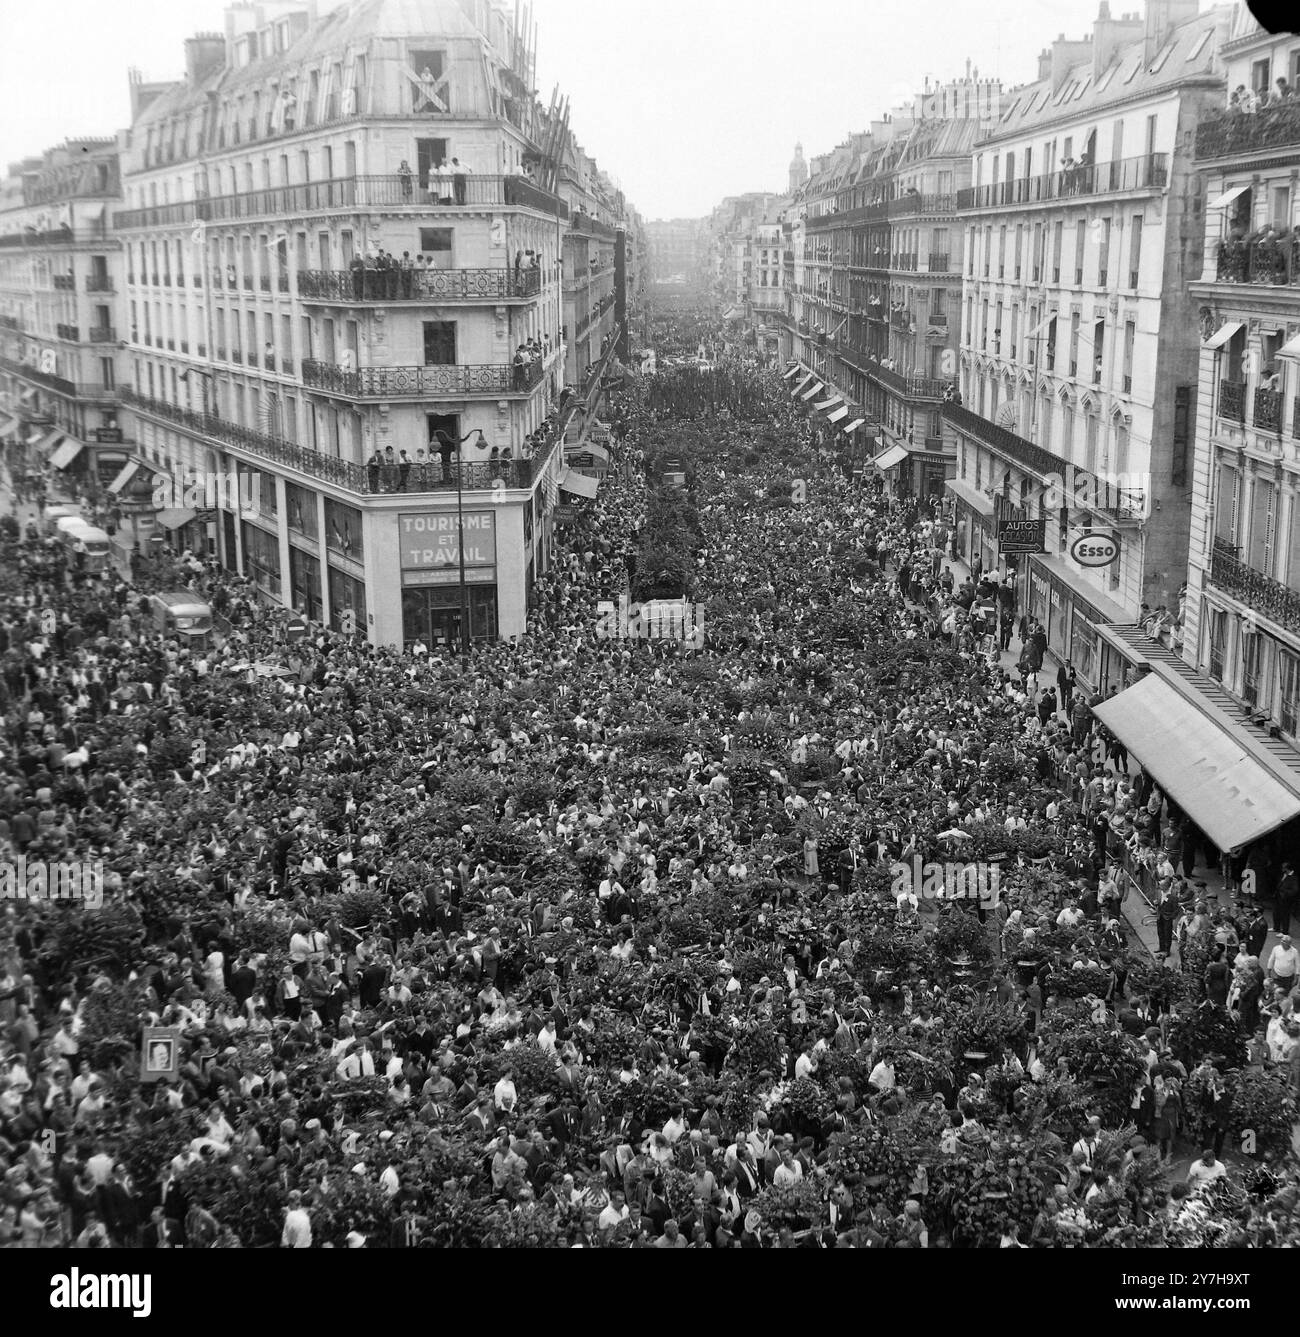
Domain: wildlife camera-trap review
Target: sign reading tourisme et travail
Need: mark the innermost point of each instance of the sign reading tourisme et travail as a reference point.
(432, 539)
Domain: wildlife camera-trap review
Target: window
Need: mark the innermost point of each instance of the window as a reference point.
(436, 244)
(1135, 251)
(1261, 525)
(300, 508)
(1058, 241)
(1074, 344)
(1098, 350)
(1289, 692)
(1225, 506)
(1080, 241)
(1103, 254)
(429, 153)
(1130, 337)
(344, 529)
(429, 91)
(1002, 252)
(439, 343)
(1259, 75)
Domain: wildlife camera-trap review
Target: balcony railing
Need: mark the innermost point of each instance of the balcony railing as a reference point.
(1271, 262)
(99, 283)
(65, 282)
(69, 332)
(360, 192)
(937, 263)
(1006, 442)
(103, 334)
(59, 384)
(450, 379)
(1232, 400)
(427, 476)
(417, 285)
(1238, 132)
(590, 227)
(1149, 172)
(1258, 591)
(906, 206)
(1268, 411)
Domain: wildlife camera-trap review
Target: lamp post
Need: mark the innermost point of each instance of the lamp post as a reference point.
(460, 537)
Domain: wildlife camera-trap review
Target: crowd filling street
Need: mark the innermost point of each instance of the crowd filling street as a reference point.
(605, 942)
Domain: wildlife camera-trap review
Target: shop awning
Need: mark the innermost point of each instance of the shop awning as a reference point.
(49, 440)
(790, 371)
(887, 459)
(854, 425)
(807, 380)
(813, 392)
(972, 496)
(67, 452)
(839, 413)
(824, 404)
(579, 484)
(1224, 333)
(1041, 327)
(1291, 348)
(1229, 794)
(174, 519)
(1227, 197)
(125, 475)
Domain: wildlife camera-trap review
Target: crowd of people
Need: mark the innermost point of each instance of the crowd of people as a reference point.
(592, 942)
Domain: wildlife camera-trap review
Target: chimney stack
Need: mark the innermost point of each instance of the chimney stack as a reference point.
(1161, 17)
(1066, 55)
(1109, 35)
(205, 54)
(1045, 64)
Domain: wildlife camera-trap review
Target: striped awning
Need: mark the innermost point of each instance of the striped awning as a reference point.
(67, 452)
(854, 425)
(174, 519)
(807, 380)
(790, 371)
(824, 404)
(49, 440)
(839, 413)
(887, 459)
(812, 393)
(125, 475)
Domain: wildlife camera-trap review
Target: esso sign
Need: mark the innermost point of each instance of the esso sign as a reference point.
(1094, 550)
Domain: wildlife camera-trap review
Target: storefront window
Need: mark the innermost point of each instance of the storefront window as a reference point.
(261, 558)
(304, 582)
(343, 530)
(1059, 623)
(347, 595)
(1083, 648)
(1038, 598)
(301, 506)
(432, 614)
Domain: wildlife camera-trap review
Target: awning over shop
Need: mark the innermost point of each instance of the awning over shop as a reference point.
(1229, 794)
(579, 484)
(830, 402)
(1224, 333)
(854, 425)
(839, 413)
(125, 475)
(67, 452)
(790, 371)
(888, 458)
(804, 383)
(813, 392)
(1227, 197)
(174, 519)
(49, 440)
(596, 452)
(972, 496)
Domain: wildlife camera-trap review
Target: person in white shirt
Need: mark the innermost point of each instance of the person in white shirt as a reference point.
(614, 1213)
(297, 1224)
(1206, 1170)
(504, 1095)
(1284, 962)
(1070, 917)
(788, 1172)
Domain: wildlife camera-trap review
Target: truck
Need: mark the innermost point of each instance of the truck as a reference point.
(178, 614)
(87, 547)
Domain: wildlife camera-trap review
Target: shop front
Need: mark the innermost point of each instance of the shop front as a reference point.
(437, 548)
(1072, 619)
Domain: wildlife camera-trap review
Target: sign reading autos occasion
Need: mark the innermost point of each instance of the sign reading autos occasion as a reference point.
(1022, 535)
(1094, 550)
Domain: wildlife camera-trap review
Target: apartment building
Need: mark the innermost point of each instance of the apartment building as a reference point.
(60, 276)
(1083, 228)
(268, 338)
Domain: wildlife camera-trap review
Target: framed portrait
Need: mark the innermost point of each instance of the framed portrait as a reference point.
(160, 1053)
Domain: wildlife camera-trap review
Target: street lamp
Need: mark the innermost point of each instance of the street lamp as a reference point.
(460, 535)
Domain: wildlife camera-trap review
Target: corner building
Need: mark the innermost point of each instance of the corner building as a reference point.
(263, 339)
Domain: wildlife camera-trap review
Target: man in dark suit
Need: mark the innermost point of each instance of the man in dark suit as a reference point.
(162, 1232)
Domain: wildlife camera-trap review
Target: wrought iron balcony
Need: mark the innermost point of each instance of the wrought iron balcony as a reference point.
(1268, 411)
(65, 282)
(1253, 588)
(369, 479)
(1148, 172)
(418, 285)
(421, 191)
(1268, 262)
(1232, 131)
(1232, 400)
(69, 332)
(103, 334)
(937, 262)
(449, 380)
(1005, 442)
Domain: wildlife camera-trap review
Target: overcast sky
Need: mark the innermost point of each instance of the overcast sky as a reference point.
(683, 101)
